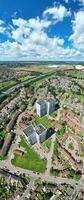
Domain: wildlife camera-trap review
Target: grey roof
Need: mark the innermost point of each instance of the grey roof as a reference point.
(29, 130)
(50, 100)
(41, 101)
(40, 129)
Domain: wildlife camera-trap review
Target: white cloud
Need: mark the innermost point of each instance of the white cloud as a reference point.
(78, 30)
(1, 22)
(29, 39)
(66, 1)
(57, 13)
(26, 27)
(2, 28)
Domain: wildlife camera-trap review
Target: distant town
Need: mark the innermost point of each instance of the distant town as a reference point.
(41, 131)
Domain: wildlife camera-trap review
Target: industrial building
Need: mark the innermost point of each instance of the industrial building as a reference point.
(44, 107)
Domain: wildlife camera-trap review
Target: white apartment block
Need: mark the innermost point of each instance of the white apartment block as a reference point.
(36, 134)
(41, 108)
(50, 106)
(41, 133)
(44, 107)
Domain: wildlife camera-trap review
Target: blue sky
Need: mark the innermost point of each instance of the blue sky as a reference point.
(42, 30)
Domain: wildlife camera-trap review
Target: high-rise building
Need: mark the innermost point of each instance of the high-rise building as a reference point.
(44, 107)
(41, 108)
(50, 105)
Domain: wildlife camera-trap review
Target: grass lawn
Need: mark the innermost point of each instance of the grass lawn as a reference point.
(30, 160)
(3, 157)
(78, 75)
(25, 78)
(80, 97)
(2, 133)
(35, 68)
(7, 83)
(46, 145)
(70, 146)
(42, 120)
(53, 114)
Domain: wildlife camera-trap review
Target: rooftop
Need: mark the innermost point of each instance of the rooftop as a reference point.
(50, 100)
(40, 102)
(29, 130)
(39, 129)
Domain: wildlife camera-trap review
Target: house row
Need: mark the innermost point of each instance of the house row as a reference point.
(37, 133)
(73, 121)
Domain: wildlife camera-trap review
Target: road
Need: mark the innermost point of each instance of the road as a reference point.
(74, 196)
(47, 177)
(27, 191)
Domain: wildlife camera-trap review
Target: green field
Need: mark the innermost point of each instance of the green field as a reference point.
(77, 75)
(80, 97)
(35, 68)
(30, 160)
(42, 120)
(7, 84)
(25, 78)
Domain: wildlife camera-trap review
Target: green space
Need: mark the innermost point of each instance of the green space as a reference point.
(65, 96)
(80, 97)
(56, 149)
(25, 178)
(30, 159)
(53, 114)
(54, 172)
(61, 132)
(46, 145)
(77, 75)
(2, 137)
(44, 195)
(42, 120)
(74, 174)
(70, 146)
(3, 157)
(37, 182)
(35, 68)
(8, 188)
(25, 78)
(7, 84)
(39, 80)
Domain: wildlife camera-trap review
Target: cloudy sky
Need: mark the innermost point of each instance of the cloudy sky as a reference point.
(42, 30)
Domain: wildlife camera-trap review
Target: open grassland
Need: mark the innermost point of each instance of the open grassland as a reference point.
(30, 159)
(25, 78)
(78, 75)
(35, 68)
(67, 67)
(6, 84)
(46, 145)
